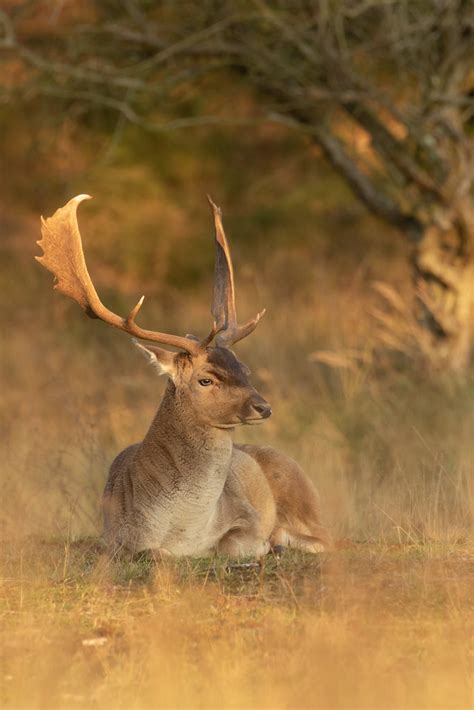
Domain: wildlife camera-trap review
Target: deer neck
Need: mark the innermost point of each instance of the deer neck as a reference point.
(180, 449)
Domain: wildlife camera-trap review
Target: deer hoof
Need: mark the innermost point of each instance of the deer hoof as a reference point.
(277, 550)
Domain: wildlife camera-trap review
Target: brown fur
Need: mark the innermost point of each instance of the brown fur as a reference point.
(298, 522)
(187, 489)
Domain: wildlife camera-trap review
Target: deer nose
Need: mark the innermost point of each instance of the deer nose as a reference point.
(263, 408)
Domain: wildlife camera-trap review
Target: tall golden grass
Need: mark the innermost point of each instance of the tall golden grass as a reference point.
(389, 446)
(366, 627)
(381, 622)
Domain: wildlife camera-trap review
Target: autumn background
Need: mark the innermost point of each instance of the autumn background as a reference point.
(337, 138)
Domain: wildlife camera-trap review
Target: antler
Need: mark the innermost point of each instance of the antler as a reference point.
(64, 257)
(223, 303)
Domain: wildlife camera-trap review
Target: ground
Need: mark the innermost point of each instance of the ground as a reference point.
(363, 626)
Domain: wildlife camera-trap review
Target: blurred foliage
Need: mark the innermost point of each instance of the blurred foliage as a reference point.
(242, 99)
(150, 223)
(388, 445)
(384, 441)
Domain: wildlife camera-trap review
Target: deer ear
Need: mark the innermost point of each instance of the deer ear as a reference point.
(163, 360)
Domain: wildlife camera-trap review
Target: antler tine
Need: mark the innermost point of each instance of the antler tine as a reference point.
(223, 303)
(63, 256)
(130, 319)
(209, 338)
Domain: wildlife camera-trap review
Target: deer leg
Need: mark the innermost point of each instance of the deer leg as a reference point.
(276, 550)
(154, 555)
(239, 543)
(282, 538)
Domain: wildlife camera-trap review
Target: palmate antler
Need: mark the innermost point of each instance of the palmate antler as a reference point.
(63, 256)
(223, 302)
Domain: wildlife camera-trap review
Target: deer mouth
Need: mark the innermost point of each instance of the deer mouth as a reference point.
(258, 420)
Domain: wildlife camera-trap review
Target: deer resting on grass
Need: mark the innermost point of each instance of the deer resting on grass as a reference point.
(187, 489)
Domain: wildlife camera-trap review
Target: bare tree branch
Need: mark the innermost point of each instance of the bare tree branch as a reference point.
(377, 201)
(392, 149)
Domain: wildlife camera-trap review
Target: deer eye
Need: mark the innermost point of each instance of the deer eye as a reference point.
(205, 382)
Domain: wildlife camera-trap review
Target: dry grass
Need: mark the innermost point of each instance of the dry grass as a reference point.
(390, 451)
(384, 621)
(368, 626)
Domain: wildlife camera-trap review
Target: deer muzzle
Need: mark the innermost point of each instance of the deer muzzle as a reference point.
(259, 408)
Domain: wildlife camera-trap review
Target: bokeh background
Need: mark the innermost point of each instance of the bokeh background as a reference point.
(132, 103)
(337, 136)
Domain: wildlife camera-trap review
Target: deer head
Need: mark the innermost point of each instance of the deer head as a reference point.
(208, 378)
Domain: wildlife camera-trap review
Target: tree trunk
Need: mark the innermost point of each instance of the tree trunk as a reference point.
(443, 261)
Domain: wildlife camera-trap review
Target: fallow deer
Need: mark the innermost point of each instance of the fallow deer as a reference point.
(187, 489)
